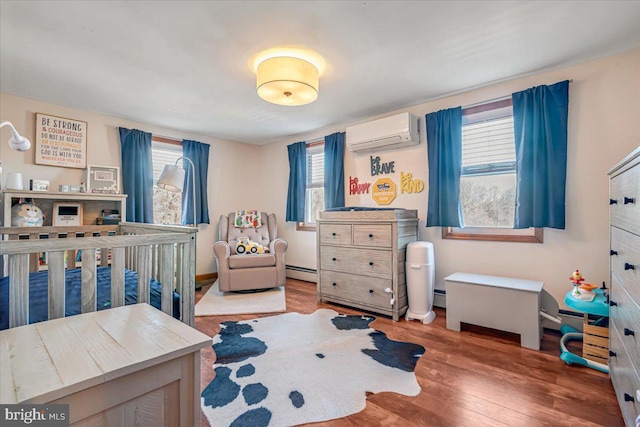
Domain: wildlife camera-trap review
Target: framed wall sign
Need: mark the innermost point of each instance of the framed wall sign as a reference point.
(103, 179)
(60, 142)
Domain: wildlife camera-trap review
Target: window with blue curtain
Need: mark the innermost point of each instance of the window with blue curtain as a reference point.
(514, 152)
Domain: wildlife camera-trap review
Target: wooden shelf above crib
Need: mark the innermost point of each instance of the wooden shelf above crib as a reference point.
(93, 203)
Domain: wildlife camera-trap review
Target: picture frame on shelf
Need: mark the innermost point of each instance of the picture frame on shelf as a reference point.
(103, 179)
(39, 185)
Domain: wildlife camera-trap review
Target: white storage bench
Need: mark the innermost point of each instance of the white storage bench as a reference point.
(503, 303)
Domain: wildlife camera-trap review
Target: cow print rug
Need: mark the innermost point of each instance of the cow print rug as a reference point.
(294, 368)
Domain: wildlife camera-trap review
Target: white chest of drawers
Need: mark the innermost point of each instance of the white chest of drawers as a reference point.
(624, 322)
(361, 255)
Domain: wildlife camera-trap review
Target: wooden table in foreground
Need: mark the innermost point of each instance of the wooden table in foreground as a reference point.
(131, 365)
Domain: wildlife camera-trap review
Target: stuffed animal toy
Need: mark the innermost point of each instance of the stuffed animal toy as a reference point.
(26, 215)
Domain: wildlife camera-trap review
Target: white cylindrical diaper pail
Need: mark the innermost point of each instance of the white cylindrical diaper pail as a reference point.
(420, 271)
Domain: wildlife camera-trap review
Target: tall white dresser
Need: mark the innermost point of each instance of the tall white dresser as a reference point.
(624, 322)
(361, 256)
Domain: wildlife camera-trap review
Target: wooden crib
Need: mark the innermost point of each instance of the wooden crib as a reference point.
(164, 253)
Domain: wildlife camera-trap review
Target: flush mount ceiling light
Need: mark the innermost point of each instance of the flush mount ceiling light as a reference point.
(288, 76)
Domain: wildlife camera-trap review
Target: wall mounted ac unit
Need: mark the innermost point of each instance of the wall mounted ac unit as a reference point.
(384, 134)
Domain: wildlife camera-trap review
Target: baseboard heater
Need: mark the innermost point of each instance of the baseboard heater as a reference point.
(437, 292)
(302, 269)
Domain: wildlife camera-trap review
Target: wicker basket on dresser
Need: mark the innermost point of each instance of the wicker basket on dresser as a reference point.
(361, 254)
(624, 326)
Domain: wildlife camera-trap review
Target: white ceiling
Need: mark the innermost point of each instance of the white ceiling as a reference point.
(185, 65)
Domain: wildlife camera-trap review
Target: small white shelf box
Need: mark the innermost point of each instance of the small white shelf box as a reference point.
(503, 303)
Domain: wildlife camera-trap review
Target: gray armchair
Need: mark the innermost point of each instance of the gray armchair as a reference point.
(248, 272)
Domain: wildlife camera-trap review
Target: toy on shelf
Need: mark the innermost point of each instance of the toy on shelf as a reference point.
(26, 214)
(580, 291)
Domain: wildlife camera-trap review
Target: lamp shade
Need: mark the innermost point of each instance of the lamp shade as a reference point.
(171, 178)
(16, 142)
(286, 80)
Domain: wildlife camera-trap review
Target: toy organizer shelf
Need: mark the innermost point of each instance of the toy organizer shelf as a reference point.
(92, 205)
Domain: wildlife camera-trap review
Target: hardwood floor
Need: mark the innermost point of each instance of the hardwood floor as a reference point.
(476, 377)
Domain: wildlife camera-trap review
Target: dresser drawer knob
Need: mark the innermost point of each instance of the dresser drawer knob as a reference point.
(371, 236)
(334, 284)
(613, 201)
(612, 353)
(333, 234)
(370, 291)
(333, 259)
(613, 303)
(628, 398)
(628, 266)
(371, 263)
(629, 200)
(628, 332)
(612, 252)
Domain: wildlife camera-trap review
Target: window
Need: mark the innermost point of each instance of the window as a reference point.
(488, 179)
(167, 205)
(314, 194)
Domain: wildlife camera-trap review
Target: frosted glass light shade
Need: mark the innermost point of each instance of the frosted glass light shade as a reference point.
(285, 80)
(16, 142)
(171, 178)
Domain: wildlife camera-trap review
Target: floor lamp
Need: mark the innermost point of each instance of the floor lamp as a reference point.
(172, 179)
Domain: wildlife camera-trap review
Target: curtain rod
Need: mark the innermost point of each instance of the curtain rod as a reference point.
(487, 101)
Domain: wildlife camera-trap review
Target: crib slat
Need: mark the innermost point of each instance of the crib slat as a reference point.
(179, 257)
(56, 284)
(166, 267)
(186, 291)
(117, 277)
(154, 262)
(88, 293)
(143, 268)
(18, 290)
(191, 280)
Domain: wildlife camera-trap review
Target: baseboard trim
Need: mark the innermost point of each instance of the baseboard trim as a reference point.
(207, 276)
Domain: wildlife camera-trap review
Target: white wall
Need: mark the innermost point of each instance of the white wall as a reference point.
(226, 158)
(604, 107)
